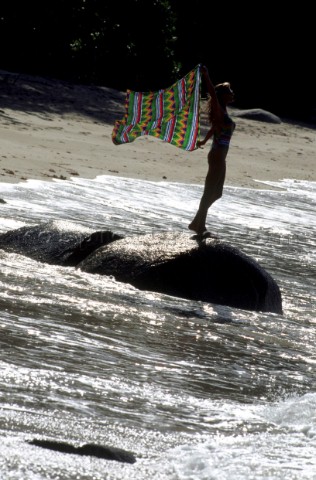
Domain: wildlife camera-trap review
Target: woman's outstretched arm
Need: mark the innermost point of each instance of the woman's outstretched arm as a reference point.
(216, 108)
(209, 84)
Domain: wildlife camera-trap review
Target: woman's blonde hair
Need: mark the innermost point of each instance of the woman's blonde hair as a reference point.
(221, 89)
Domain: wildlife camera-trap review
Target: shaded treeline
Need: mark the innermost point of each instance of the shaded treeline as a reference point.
(148, 44)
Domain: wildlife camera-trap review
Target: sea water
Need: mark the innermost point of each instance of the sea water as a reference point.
(195, 390)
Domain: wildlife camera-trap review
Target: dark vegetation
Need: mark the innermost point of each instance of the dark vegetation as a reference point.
(148, 44)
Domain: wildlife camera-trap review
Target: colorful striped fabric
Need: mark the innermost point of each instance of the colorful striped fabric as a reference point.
(172, 114)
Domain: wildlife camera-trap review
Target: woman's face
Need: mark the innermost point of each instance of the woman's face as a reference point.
(229, 96)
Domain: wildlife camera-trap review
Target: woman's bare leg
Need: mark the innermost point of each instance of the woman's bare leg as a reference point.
(213, 190)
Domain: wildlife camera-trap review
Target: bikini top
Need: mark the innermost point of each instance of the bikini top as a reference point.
(223, 135)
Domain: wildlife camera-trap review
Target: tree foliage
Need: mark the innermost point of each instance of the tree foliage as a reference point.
(148, 44)
(111, 43)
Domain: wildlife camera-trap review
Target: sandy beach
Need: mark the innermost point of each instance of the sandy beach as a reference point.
(52, 129)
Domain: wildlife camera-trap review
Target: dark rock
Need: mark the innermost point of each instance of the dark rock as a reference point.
(89, 245)
(257, 114)
(105, 452)
(177, 264)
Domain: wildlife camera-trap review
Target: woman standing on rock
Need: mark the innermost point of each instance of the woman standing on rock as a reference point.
(222, 128)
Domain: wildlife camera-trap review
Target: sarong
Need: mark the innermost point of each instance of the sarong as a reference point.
(171, 114)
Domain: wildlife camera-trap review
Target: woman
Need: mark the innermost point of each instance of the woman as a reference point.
(222, 128)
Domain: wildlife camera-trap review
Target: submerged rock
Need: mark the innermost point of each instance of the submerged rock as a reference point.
(56, 242)
(174, 263)
(99, 451)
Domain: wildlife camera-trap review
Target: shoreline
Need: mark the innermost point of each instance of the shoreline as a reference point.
(51, 129)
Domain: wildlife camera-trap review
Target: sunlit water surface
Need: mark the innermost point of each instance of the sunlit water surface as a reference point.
(194, 390)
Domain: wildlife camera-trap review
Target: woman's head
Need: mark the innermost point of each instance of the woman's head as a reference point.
(224, 93)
